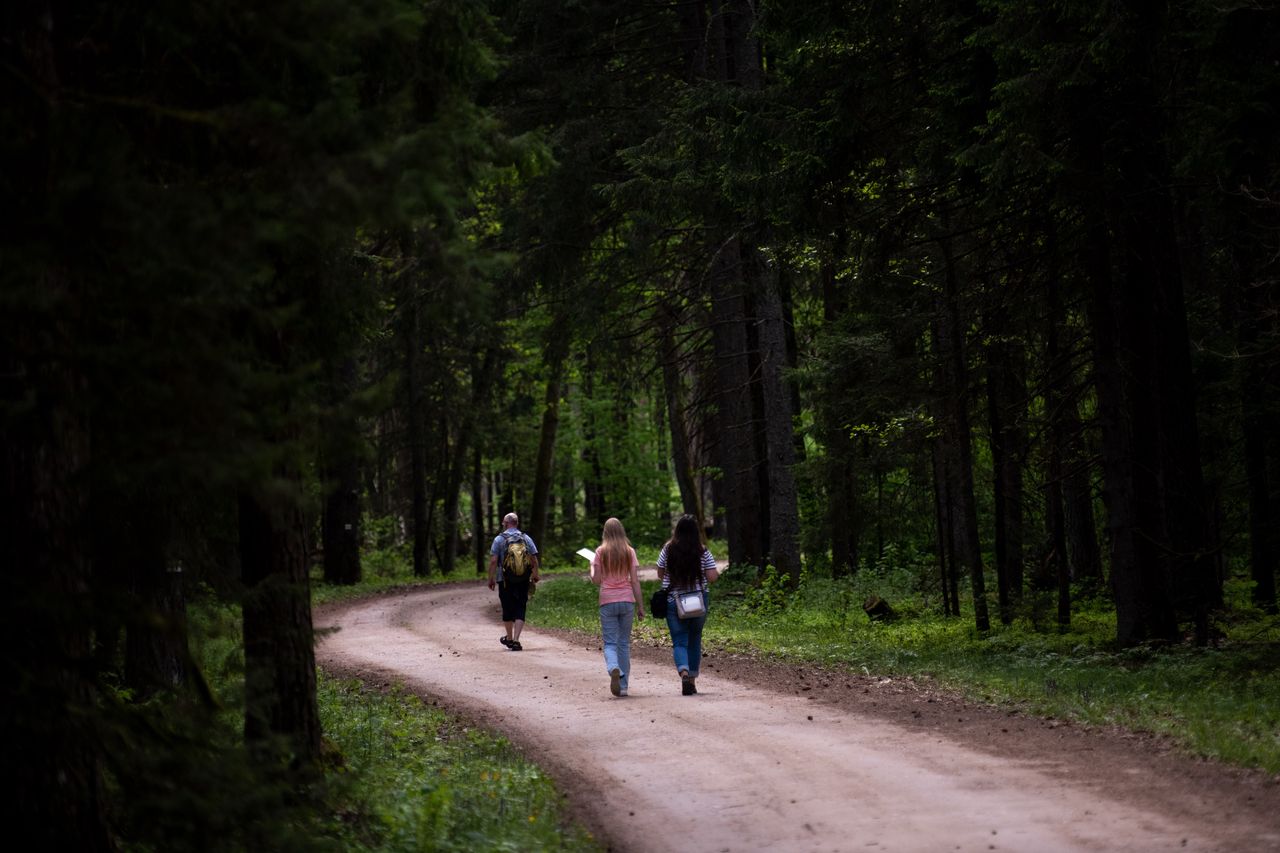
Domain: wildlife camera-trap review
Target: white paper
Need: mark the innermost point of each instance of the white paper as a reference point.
(586, 553)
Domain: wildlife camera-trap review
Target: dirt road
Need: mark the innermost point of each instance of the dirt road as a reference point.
(779, 759)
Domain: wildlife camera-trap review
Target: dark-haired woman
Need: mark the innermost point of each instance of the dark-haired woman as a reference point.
(685, 566)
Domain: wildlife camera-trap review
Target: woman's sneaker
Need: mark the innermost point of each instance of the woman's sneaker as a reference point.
(615, 681)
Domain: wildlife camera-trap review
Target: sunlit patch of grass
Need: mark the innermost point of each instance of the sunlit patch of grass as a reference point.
(1222, 702)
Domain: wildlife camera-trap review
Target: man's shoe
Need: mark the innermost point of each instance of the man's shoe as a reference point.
(615, 681)
(505, 640)
(687, 687)
(515, 646)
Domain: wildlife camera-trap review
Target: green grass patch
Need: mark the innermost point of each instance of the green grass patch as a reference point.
(1221, 702)
(400, 776)
(419, 780)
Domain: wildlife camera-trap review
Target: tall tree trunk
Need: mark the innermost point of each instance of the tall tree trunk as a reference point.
(482, 370)
(568, 498)
(555, 355)
(784, 511)
(759, 421)
(690, 500)
(950, 343)
(737, 439)
(842, 505)
(340, 525)
(53, 755)
(455, 466)
(843, 515)
(1258, 403)
(419, 522)
(279, 658)
(477, 510)
(1057, 398)
(156, 652)
(380, 476)
(594, 498)
(1006, 397)
(1162, 566)
(1077, 499)
(945, 525)
(1142, 608)
(733, 57)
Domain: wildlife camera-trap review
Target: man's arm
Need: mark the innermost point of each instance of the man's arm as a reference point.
(493, 564)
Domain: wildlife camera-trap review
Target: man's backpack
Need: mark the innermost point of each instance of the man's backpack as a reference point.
(517, 560)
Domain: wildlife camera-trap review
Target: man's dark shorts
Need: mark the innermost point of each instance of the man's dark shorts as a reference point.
(514, 598)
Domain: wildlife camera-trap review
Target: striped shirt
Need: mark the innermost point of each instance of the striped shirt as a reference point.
(708, 562)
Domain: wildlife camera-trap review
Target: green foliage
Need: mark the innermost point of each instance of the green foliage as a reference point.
(387, 555)
(415, 780)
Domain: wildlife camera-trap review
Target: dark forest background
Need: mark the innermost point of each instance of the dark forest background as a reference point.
(993, 282)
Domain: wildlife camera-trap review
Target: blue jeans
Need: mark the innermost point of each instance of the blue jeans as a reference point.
(686, 638)
(615, 626)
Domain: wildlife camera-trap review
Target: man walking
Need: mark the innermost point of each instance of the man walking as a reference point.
(513, 565)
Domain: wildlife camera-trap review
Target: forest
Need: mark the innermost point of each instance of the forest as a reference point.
(299, 294)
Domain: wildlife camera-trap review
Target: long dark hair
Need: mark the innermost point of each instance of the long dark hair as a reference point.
(684, 554)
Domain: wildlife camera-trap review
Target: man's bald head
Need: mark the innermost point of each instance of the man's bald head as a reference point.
(510, 520)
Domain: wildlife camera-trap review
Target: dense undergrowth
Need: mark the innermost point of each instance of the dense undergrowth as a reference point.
(1222, 701)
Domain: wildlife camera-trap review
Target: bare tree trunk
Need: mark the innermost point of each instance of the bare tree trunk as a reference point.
(340, 525)
(455, 471)
(477, 510)
(555, 357)
(950, 343)
(784, 511)
(690, 500)
(414, 377)
(53, 753)
(843, 516)
(156, 653)
(1257, 399)
(737, 446)
(1004, 400)
(341, 528)
(568, 498)
(482, 369)
(1057, 398)
(1143, 610)
(279, 659)
(1077, 499)
(594, 498)
(1162, 564)
(944, 524)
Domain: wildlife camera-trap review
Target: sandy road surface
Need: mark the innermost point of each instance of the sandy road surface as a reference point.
(749, 768)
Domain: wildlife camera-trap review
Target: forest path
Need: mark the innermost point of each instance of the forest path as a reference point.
(750, 764)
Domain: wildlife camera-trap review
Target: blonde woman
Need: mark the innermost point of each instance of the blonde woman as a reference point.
(615, 570)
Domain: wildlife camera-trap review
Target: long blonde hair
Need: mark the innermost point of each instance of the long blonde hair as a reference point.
(614, 553)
